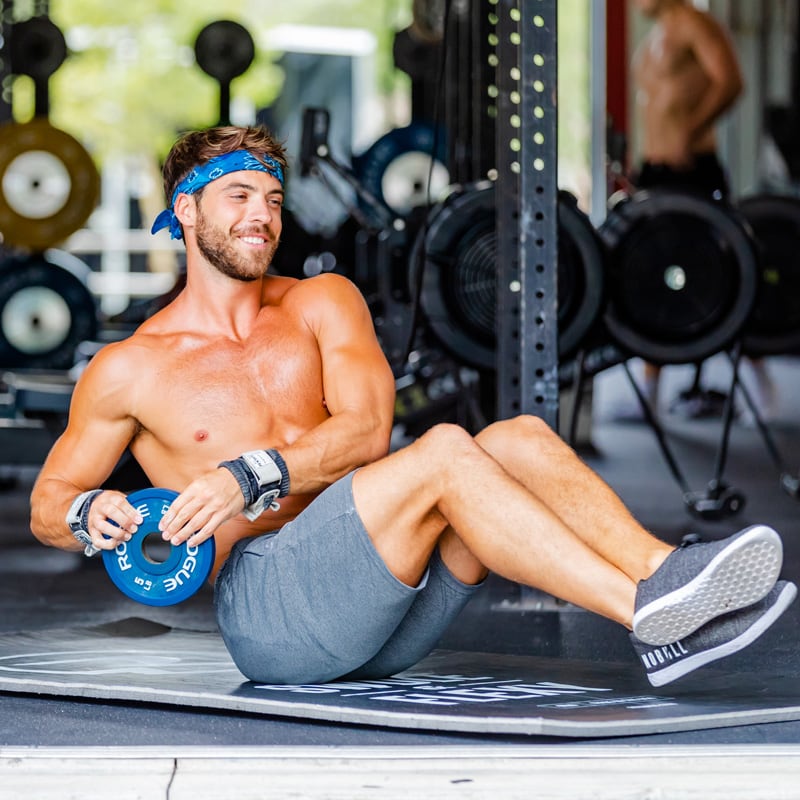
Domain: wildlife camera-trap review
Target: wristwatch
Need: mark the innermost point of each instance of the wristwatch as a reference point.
(76, 519)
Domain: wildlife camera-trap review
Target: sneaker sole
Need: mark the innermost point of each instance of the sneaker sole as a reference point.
(681, 668)
(738, 576)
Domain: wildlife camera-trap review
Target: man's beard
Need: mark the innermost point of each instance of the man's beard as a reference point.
(219, 251)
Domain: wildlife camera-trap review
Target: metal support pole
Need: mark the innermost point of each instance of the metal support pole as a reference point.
(527, 225)
(599, 121)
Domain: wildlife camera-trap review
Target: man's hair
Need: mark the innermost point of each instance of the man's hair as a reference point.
(197, 147)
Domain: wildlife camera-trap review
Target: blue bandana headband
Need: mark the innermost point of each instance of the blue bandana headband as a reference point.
(210, 171)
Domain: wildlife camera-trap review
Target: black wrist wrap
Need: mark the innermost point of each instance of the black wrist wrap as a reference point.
(248, 481)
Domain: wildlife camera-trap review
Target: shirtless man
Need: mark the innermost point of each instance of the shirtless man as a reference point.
(687, 77)
(266, 402)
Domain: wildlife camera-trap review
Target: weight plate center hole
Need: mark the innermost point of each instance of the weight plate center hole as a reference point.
(155, 549)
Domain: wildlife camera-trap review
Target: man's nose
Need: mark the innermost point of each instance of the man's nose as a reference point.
(260, 210)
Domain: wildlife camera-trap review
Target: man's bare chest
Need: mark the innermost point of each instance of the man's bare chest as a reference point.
(217, 392)
(664, 56)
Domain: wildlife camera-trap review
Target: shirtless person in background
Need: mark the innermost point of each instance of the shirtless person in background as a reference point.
(687, 76)
(267, 403)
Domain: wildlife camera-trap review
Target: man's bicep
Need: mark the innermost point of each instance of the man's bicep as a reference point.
(357, 377)
(99, 428)
(356, 373)
(85, 455)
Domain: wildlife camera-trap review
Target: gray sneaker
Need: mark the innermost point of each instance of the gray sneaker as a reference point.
(721, 637)
(700, 581)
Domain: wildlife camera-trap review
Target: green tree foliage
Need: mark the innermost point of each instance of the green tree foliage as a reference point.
(573, 96)
(131, 82)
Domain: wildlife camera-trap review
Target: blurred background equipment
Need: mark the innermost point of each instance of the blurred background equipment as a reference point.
(49, 184)
(409, 175)
(682, 279)
(46, 310)
(224, 50)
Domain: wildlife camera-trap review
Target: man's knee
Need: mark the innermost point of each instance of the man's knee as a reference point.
(445, 441)
(505, 437)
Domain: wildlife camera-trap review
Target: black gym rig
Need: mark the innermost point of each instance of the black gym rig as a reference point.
(489, 298)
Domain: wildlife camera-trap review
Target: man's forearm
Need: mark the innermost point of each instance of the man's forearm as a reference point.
(50, 501)
(340, 444)
(712, 107)
(72, 518)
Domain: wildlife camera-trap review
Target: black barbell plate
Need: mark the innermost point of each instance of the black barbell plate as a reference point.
(46, 310)
(36, 48)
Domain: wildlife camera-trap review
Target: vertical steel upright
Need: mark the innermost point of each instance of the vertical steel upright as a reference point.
(469, 71)
(527, 191)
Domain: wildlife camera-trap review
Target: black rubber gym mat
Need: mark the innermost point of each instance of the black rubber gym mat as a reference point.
(142, 661)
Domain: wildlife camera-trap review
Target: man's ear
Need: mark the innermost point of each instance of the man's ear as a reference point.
(186, 209)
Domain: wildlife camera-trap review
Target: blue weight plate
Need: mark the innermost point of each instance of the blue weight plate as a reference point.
(148, 579)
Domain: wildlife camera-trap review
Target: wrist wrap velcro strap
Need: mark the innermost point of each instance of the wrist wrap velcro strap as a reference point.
(262, 476)
(277, 459)
(87, 504)
(244, 477)
(78, 519)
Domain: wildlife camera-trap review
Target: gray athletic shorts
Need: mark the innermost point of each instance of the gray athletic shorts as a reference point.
(314, 601)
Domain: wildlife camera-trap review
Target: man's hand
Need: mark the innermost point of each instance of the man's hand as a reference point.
(201, 508)
(107, 508)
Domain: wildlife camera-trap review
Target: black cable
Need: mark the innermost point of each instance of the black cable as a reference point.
(358, 215)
